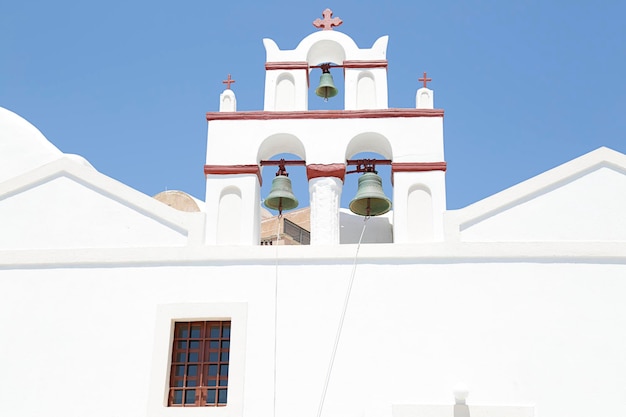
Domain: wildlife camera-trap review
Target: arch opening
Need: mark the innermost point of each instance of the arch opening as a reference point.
(322, 52)
(351, 181)
(297, 175)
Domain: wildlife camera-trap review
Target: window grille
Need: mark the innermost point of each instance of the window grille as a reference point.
(297, 233)
(200, 360)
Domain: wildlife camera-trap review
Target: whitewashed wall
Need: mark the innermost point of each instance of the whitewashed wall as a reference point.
(545, 331)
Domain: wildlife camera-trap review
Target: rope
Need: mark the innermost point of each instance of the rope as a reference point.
(280, 216)
(341, 320)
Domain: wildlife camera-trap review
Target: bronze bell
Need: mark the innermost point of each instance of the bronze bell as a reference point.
(326, 88)
(281, 196)
(370, 199)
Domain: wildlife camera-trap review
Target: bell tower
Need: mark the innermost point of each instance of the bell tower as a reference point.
(289, 72)
(410, 140)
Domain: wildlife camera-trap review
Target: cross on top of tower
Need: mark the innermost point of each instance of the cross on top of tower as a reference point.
(425, 80)
(228, 81)
(328, 22)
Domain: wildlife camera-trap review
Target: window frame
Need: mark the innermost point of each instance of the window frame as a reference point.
(159, 386)
(200, 362)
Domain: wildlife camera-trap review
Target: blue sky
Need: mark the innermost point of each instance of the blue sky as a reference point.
(526, 85)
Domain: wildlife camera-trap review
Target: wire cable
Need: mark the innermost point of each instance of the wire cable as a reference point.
(341, 320)
(279, 218)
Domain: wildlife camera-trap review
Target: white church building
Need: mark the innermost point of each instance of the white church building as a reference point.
(114, 304)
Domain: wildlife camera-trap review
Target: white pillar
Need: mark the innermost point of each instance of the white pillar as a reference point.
(325, 197)
(233, 211)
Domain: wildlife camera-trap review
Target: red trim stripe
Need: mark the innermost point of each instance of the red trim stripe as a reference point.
(296, 65)
(418, 166)
(381, 63)
(324, 114)
(233, 169)
(290, 65)
(326, 170)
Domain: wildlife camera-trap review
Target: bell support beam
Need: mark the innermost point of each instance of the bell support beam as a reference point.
(233, 169)
(282, 162)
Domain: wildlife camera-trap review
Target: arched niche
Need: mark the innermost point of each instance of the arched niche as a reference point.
(289, 147)
(285, 97)
(229, 216)
(280, 143)
(367, 145)
(366, 91)
(326, 50)
(420, 213)
(320, 52)
(369, 142)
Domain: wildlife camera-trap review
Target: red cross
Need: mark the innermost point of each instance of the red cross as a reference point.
(328, 22)
(425, 80)
(228, 82)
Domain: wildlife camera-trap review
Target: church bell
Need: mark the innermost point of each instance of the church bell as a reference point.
(281, 196)
(326, 88)
(370, 199)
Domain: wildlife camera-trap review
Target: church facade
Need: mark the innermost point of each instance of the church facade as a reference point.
(116, 304)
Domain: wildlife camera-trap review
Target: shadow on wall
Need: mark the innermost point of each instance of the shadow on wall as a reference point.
(461, 410)
(377, 229)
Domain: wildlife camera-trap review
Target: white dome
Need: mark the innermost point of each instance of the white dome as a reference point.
(22, 146)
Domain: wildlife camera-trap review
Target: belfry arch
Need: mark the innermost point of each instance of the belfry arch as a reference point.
(291, 74)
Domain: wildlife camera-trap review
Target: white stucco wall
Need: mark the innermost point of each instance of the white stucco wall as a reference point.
(421, 319)
(415, 139)
(580, 200)
(589, 208)
(63, 213)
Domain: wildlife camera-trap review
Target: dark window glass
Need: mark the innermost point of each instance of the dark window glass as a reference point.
(183, 331)
(190, 396)
(210, 398)
(178, 397)
(195, 332)
(222, 397)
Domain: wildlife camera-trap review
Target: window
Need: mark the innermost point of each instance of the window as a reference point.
(199, 371)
